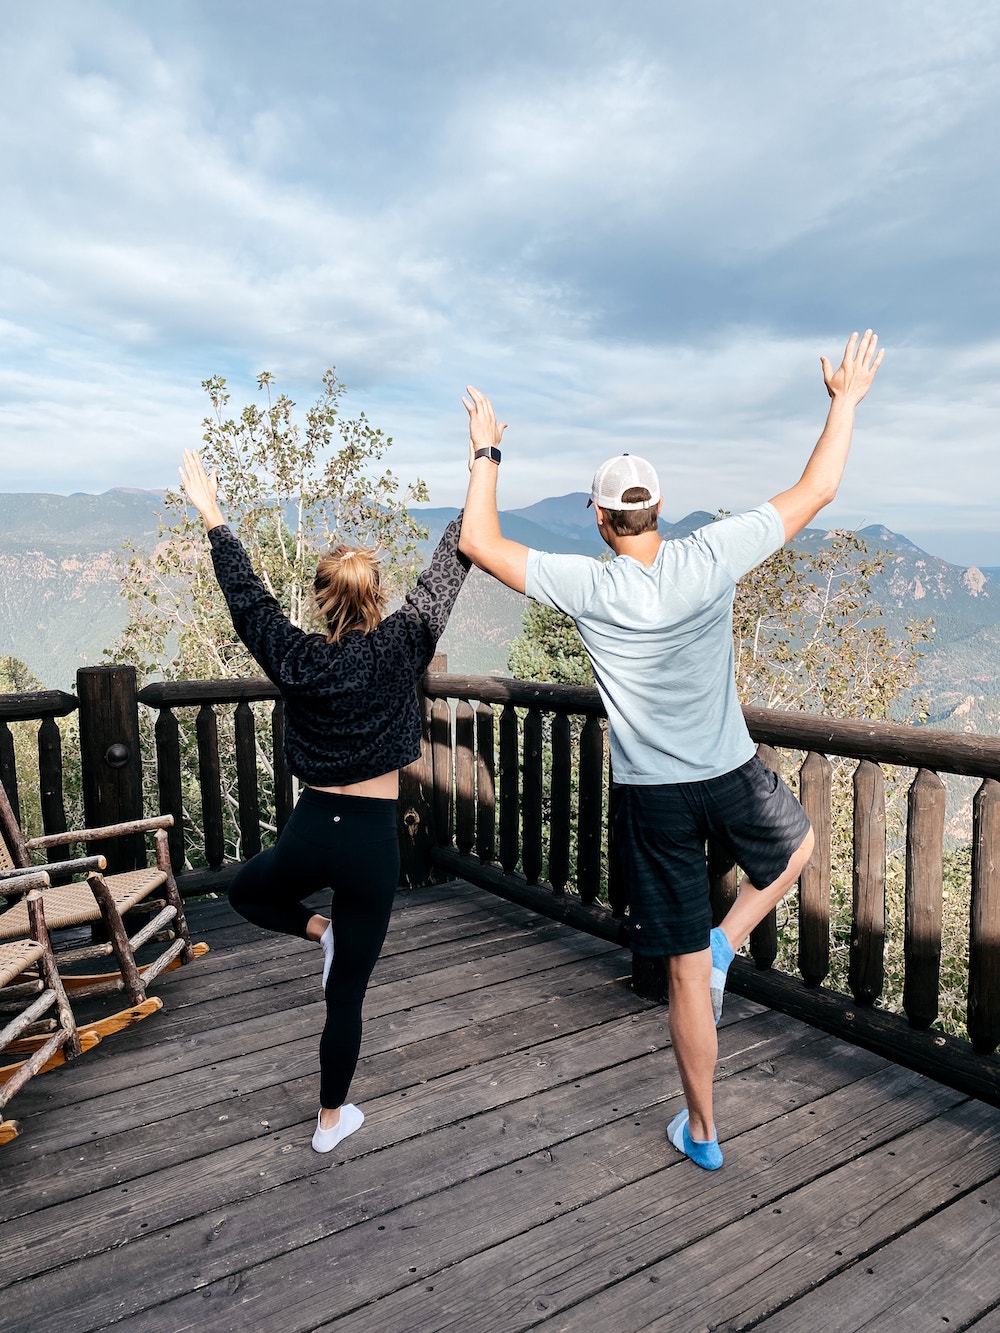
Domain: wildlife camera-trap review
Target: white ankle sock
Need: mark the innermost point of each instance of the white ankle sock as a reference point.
(326, 944)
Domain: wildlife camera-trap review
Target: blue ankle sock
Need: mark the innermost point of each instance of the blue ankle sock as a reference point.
(706, 1154)
(722, 956)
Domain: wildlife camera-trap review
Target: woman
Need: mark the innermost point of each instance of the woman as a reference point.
(351, 723)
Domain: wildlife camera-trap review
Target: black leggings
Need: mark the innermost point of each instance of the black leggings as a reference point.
(348, 844)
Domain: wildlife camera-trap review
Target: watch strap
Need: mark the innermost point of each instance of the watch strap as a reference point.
(492, 453)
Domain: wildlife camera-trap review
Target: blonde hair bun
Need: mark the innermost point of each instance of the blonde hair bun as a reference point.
(348, 590)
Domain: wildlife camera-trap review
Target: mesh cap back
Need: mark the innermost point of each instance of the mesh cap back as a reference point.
(618, 475)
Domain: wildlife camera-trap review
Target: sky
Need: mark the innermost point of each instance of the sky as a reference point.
(636, 225)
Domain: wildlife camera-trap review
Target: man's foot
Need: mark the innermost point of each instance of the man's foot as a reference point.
(722, 956)
(703, 1153)
(326, 944)
(325, 1140)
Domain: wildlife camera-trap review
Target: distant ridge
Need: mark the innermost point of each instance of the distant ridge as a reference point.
(60, 605)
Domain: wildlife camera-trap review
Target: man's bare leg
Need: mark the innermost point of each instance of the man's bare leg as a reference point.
(694, 1037)
(752, 904)
(747, 912)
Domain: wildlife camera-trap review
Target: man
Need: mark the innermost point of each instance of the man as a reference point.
(657, 624)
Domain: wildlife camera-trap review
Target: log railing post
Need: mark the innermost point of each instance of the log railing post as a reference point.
(167, 734)
(50, 776)
(486, 784)
(764, 937)
(465, 776)
(589, 810)
(416, 791)
(111, 761)
(206, 728)
(247, 786)
(444, 771)
(815, 792)
(866, 972)
(283, 795)
(531, 797)
(723, 881)
(560, 803)
(8, 769)
(925, 810)
(984, 921)
(510, 799)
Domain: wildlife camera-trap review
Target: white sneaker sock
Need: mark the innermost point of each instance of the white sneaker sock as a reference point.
(325, 1140)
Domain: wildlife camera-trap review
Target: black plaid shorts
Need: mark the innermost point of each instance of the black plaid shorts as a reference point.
(661, 831)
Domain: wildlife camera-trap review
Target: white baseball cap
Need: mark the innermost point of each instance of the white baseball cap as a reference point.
(613, 478)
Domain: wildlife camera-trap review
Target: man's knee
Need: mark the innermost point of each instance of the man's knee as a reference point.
(690, 968)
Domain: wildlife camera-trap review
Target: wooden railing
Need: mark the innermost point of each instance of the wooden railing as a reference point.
(133, 740)
(511, 792)
(208, 697)
(543, 794)
(42, 706)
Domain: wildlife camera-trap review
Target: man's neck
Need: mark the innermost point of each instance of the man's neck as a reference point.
(643, 548)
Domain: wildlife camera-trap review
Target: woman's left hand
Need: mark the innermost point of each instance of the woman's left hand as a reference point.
(201, 488)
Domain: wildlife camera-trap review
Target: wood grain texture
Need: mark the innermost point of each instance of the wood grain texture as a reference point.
(512, 1170)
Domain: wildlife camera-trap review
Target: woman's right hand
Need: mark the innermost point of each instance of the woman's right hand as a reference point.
(201, 489)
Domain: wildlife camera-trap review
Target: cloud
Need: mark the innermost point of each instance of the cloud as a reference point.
(636, 230)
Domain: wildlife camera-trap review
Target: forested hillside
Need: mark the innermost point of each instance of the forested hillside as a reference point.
(60, 606)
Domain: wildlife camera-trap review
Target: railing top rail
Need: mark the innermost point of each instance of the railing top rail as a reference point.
(184, 693)
(883, 742)
(522, 693)
(32, 705)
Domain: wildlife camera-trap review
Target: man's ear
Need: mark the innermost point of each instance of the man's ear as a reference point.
(599, 515)
(659, 506)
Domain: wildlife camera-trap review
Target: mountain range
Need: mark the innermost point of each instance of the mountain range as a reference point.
(60, 606)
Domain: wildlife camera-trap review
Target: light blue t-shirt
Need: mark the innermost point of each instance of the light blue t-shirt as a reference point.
(661, 643)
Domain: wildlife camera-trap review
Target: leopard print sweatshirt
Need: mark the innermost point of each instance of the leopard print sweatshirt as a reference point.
(351, 706)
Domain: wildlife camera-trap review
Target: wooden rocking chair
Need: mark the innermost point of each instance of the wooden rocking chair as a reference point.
(29, 988)
(105, 899)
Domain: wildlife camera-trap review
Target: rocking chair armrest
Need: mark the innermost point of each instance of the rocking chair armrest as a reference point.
(26, 881)
(95, 834)
(79, 865)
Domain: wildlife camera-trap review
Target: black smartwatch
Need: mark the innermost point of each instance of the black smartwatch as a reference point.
(492, 453)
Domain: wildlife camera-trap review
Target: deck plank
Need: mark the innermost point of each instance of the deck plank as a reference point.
(513, 1171)
(939, 1274)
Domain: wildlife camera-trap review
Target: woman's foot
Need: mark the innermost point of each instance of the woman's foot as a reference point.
(325, 1140)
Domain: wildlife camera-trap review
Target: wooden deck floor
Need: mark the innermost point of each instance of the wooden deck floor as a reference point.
(512, 1172)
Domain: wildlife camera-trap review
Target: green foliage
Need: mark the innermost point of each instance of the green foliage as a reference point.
(549, 648)
(288, 490)
(17, 678)
(808, 635)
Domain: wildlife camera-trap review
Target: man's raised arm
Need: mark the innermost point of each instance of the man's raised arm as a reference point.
(846, 385)
(481, 540)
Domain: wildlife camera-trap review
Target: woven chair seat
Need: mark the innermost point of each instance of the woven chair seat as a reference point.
(75, 904)
(17, 957)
